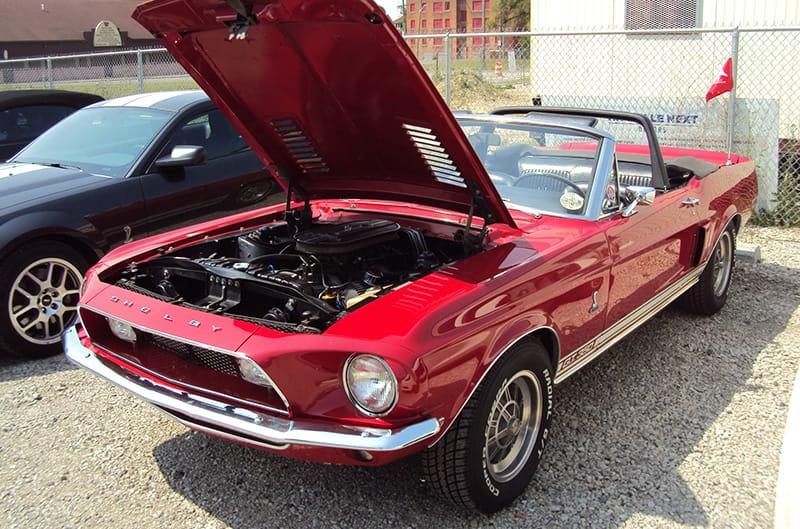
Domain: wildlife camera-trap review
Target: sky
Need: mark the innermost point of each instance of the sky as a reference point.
(392, 7)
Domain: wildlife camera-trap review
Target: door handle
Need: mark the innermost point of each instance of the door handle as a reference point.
(691, 202)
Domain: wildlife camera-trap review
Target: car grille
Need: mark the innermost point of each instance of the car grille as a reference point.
(191, 353)
(187, 365)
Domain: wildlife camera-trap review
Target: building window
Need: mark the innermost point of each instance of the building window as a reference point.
(447, 23)
(477, 23)
(424, 24)
(462, 16)
(658, 14)
(478, 5)
(437, 24)
(437, 7)
(477, 41)
(412, 8)
(438, 42)
(413, 24)
(447, 6)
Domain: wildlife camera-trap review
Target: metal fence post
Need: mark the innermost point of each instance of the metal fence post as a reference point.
(139, 70)
(447, 68)
(49, 67)
(732, 98)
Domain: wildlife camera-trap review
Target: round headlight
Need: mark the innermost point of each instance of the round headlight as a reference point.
(370, 384)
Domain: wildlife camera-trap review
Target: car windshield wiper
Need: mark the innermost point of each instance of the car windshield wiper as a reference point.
(59, 165)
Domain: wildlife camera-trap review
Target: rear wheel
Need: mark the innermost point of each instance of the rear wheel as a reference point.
(708, 296)
(488, 456)
(40, 285)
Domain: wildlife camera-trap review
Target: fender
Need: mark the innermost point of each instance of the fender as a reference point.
(523, 328)
(22, 228)
(713, 233)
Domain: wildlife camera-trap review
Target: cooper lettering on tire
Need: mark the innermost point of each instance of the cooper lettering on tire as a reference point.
(488, 456)
(40, 285)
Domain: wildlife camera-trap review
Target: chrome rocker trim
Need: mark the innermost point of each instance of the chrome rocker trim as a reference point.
(239, 424)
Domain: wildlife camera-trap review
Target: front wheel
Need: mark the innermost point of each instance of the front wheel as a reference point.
(488, 456)
(40, 285)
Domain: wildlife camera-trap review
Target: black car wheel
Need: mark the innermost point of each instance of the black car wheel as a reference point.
(254, 192)
(708, 296)
(40, 285)
(488, 456)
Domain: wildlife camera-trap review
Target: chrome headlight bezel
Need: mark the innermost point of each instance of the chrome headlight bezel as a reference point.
(359, 398)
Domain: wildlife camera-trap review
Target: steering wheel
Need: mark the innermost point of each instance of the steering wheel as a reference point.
(569, 183)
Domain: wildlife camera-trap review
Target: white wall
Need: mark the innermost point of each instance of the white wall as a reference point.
(581, 15)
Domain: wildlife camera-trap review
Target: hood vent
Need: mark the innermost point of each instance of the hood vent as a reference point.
(299, 146)
(438, 161)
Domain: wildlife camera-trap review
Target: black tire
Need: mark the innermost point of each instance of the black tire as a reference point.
(476, 467)
(253, 192)
(39, 288)
(709, 294)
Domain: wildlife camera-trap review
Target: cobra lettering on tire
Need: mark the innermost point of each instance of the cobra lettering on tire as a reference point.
(40, 286)
(489, 454)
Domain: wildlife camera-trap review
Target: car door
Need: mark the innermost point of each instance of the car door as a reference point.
(231, 178)
(651, 251)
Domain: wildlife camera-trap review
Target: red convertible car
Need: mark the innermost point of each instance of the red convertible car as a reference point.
(430, 278)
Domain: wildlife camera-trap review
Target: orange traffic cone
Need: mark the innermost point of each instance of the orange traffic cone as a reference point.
(498, 69)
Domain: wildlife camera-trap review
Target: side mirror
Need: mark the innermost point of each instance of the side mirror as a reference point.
(638, 195)
(182, 156)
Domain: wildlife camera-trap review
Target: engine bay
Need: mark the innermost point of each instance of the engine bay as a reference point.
(290, 279)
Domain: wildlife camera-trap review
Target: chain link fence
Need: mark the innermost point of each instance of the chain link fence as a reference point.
(109, 74)
(663, 74)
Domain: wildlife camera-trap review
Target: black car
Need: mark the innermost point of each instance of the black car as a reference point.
(24, 114)
(110, 172)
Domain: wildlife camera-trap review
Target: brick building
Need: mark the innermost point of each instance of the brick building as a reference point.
(456, 17)
(34, 28)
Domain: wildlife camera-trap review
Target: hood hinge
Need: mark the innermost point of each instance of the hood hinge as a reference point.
(298, 218)
(473, 242)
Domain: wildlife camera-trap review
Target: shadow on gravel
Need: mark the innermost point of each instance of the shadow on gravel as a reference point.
(12, 368)
(622, 429)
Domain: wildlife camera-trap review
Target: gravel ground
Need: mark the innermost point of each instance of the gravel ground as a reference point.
(680, 425)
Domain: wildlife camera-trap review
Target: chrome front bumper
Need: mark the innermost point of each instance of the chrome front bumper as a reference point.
(239, 424)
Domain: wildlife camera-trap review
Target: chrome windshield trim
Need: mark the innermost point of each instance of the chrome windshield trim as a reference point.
(238, 423)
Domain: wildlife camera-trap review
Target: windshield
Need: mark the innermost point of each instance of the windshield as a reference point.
(100, 140)
(537, 168)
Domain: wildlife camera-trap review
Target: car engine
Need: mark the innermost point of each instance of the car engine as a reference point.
(302, 282)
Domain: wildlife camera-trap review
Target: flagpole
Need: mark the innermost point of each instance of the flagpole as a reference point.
(732, 95)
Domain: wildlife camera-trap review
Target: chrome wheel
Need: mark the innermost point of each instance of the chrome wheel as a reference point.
(513, 426)
(43, 300)
(722, 261)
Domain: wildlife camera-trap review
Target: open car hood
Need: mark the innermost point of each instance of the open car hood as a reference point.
(330, 97)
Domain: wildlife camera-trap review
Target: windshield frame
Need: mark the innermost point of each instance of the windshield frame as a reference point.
(603, 157)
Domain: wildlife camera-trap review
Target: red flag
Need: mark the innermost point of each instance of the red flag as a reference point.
(724, 83)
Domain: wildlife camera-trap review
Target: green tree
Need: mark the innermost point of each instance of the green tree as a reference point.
(511, 15)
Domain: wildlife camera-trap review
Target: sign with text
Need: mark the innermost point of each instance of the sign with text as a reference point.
(106, 34)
